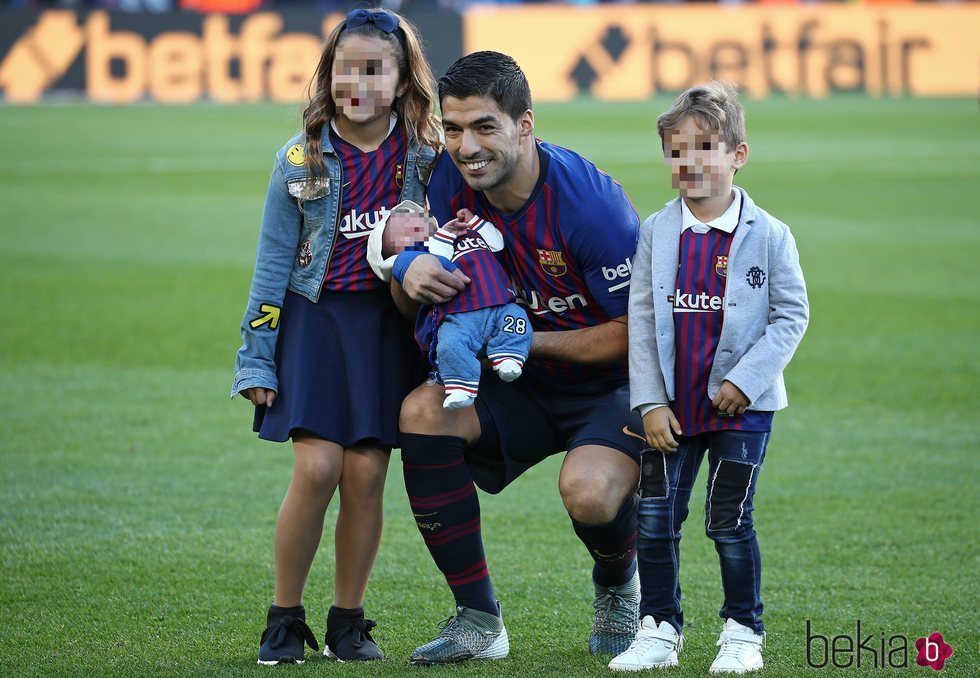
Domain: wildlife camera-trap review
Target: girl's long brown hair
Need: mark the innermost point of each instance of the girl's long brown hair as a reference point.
(415, 106)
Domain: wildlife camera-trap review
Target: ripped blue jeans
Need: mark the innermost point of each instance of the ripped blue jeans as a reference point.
(734, 461)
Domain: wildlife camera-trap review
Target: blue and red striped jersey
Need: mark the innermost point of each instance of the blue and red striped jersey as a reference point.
(490, 286)
(567, 252)
(699, 310)
(371, 185)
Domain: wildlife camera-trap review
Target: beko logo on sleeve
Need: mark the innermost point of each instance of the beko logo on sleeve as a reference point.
(624, 270)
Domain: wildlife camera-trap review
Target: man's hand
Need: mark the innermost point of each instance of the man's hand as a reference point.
(730, 399)
(659, 426)
(260, 396)
(427, 282)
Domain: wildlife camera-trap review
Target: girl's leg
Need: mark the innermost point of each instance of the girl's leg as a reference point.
(356, 541)
(317, 467)
(359, 522)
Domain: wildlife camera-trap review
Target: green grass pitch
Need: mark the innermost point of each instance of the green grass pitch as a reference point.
(137, 509)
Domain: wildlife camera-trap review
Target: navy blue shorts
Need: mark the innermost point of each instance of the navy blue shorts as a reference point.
(344, 365)
(525, 421)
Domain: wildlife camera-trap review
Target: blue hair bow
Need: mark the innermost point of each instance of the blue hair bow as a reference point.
(385, 21)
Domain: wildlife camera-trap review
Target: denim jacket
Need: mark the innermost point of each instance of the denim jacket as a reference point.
(299, 228)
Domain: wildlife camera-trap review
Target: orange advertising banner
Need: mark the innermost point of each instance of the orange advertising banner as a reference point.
(631, 52)
(176, 58)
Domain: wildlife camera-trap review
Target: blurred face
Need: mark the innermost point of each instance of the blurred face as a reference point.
(405, 229)
(701, 164)
(365, 78)
(482, 140)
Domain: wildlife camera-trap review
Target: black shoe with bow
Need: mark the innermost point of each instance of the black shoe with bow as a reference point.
(285, 636)
(349, 636)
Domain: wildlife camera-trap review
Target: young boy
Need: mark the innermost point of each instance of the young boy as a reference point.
(717, 307)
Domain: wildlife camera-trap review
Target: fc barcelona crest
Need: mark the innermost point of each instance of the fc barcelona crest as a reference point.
(552, 262)
(721, 265)
(399, 174)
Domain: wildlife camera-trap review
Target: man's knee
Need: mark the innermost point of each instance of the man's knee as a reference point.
(593, 491)
(422, 412)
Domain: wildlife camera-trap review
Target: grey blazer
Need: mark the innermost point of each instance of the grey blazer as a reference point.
(766, 309)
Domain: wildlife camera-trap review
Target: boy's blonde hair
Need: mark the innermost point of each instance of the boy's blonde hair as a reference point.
(715, 108)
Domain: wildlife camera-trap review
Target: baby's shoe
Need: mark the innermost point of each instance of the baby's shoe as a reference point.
(508, 369)
(457, 400)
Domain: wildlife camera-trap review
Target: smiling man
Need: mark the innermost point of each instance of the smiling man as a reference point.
(569, 233)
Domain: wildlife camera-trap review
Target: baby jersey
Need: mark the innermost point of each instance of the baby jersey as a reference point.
(489, 287)
(371, 185)
(567, 252)
(472, 255)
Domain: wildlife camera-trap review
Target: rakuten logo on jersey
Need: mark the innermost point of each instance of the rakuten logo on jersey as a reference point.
(360, 225)
(615, 275)
(696, 303)
(538, 305)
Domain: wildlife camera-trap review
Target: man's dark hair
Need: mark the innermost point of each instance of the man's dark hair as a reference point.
(488, 74)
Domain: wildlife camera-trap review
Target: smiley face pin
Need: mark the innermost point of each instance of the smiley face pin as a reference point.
(296, 155)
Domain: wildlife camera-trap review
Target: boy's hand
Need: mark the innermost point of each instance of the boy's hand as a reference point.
(730, 399)
(260, 396)
(659, 427)
(461, 223)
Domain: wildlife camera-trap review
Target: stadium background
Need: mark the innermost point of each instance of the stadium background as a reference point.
(137, 511)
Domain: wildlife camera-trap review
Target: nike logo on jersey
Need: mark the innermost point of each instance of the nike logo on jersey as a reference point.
(360, 224)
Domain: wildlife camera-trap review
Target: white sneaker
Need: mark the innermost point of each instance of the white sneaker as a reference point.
(508, 369)
(741, 649)
(457, 400)
(654, 647)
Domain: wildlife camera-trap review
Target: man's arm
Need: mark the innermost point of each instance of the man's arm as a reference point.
(605, 343)
(408, 308)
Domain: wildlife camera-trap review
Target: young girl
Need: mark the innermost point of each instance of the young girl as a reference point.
(326, 358)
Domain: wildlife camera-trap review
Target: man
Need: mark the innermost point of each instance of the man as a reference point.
(569, 232)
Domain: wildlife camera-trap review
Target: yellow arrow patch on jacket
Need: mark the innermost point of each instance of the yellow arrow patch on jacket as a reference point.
(271, 316)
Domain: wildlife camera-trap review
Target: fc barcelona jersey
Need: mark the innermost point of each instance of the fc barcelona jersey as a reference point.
(489, 286)
(699, 303)
(567, 252)
(371, 186)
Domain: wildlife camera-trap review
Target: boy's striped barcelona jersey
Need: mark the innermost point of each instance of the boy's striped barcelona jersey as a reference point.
(371, 187)
(699, 303)
(567, 252)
